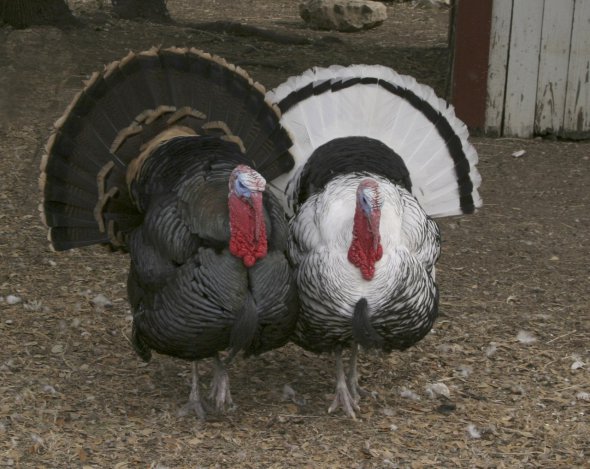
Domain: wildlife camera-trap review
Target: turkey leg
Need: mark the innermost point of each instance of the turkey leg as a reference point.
(353, 377)
(194, 401)
(342, 398)
(220, 393)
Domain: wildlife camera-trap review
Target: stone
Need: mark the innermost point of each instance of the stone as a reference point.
(343, 15)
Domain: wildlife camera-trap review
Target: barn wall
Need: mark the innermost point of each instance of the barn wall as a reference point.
(539, 69)
(501, 18)
(577, 100)
(522, 67)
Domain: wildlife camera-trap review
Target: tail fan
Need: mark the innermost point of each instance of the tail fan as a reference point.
(324, 104)
(99, 144)
(363, 331)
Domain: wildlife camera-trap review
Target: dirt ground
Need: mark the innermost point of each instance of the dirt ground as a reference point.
(512, 344)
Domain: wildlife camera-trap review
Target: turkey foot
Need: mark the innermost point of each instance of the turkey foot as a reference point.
(353, 378)
(343, 397)
(220, 393)
(194, 403)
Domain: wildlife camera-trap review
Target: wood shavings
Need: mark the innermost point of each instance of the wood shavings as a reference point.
(547, 427)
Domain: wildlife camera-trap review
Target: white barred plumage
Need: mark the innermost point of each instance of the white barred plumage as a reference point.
(365, 266)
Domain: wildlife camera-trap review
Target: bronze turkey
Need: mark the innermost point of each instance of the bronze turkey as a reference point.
(165, 155)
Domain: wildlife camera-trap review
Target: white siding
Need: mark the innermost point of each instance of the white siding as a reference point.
(523, 68)
(577, 102)
(498, 63)
(539, 68)
(553, 66)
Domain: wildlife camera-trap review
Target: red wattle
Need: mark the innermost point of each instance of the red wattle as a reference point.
(248, 231)
(362, 252)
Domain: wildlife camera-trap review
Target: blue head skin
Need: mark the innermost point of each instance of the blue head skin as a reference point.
(370, 202)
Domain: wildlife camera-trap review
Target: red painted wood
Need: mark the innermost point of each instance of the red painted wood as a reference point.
(471, 30)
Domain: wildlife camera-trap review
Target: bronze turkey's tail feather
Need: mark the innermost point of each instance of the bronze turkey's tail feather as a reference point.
(123, 113)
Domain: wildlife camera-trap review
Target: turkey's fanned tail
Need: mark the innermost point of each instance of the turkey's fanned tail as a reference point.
(324, 104)
(98, 146)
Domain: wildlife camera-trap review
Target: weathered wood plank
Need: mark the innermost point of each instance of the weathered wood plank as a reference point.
(523, 68)
(553, 66)
(498, 63)
(577, 102)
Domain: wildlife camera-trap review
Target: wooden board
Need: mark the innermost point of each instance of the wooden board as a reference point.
(553, 66)
(498, 64)
(523, 68)
(577, 100)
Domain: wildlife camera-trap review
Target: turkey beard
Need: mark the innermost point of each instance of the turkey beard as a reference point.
(365, 249)
(247, 228)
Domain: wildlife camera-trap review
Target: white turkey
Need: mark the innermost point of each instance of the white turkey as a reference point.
(165, 154)
(376, 156)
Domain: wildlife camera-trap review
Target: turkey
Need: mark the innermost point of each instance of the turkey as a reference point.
(376, 156)
(165, 155)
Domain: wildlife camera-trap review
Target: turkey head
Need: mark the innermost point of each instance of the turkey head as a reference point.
(365, 249)
(246, 215)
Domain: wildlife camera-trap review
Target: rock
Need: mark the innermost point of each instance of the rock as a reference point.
(433, 3)
(343, 15)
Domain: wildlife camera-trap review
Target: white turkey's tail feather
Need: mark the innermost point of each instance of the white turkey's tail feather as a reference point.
(324, 104)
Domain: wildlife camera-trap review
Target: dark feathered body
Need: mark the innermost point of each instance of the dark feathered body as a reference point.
(190, 294)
